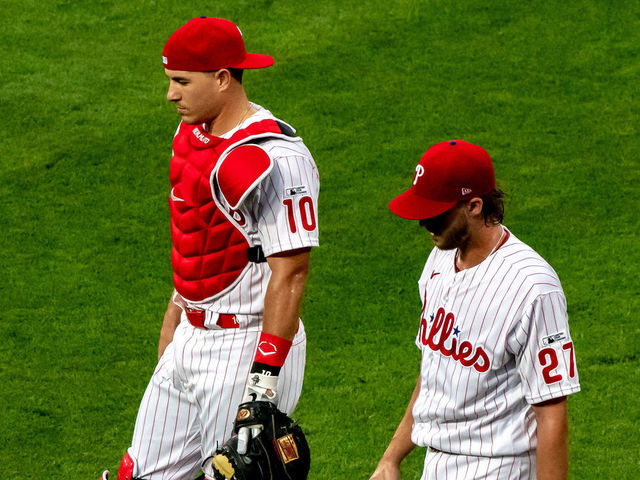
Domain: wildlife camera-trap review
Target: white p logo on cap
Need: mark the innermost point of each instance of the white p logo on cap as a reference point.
(164, 60)
(419, 173)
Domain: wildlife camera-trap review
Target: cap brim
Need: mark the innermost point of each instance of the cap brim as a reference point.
(254, 60)
(414, 207)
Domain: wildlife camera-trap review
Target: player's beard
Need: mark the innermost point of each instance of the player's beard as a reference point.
(456, 236)
(449, 230)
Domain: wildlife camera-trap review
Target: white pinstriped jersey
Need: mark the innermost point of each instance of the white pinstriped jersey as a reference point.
(280, 215)
(494, 340)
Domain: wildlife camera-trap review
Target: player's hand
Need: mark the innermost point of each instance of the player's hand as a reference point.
(249, 423)
(386, 470)
(260, 388)
(245, 434)
(279, 451)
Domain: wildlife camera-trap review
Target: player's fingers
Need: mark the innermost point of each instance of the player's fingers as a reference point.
(255, 430)
(243, 440)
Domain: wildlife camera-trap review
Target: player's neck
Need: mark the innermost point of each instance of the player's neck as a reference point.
(231, 115)
(482, 243)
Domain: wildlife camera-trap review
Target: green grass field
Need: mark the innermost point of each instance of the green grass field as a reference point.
(550, 89)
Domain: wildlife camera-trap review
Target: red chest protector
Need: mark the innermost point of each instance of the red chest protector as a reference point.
(210, 250)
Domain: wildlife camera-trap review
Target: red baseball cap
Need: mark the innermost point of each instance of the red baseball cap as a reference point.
(447, 173)
(205, 44)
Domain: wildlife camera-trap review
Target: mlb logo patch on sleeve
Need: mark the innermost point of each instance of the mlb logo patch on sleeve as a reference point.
(553, 339)
(293, 191)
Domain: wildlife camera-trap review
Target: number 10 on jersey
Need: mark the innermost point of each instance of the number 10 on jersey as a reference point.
(302, 209)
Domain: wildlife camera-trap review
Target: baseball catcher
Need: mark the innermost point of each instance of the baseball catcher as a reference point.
(243, 201)
(277, 449)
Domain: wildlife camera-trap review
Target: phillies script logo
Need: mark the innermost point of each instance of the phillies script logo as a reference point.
(439, 340)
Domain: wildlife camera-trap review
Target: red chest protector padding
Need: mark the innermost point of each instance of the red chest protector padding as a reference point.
(209, 252)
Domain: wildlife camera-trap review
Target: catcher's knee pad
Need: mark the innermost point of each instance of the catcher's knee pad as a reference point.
(125, 472)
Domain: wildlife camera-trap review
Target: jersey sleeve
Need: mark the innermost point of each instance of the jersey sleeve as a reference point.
(285, 205)
(545, 352)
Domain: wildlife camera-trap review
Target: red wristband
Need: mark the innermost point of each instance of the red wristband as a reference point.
(272, 350)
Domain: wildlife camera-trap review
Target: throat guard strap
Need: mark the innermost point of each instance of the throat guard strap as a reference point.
(256, 254)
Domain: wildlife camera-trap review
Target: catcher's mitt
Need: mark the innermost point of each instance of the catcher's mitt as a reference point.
(279, 452)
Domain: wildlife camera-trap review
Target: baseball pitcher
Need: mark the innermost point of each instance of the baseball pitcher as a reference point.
(497, 357)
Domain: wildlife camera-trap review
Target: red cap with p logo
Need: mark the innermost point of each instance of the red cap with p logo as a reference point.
(447, 173)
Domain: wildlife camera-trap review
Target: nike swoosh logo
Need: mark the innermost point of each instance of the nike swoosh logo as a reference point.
(433, 274)
(174, 198)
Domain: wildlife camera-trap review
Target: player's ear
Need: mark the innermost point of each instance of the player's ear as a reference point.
(223, 79)
(474, 207)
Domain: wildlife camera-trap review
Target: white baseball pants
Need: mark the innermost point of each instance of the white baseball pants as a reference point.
(190, 403)
(446, 466)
